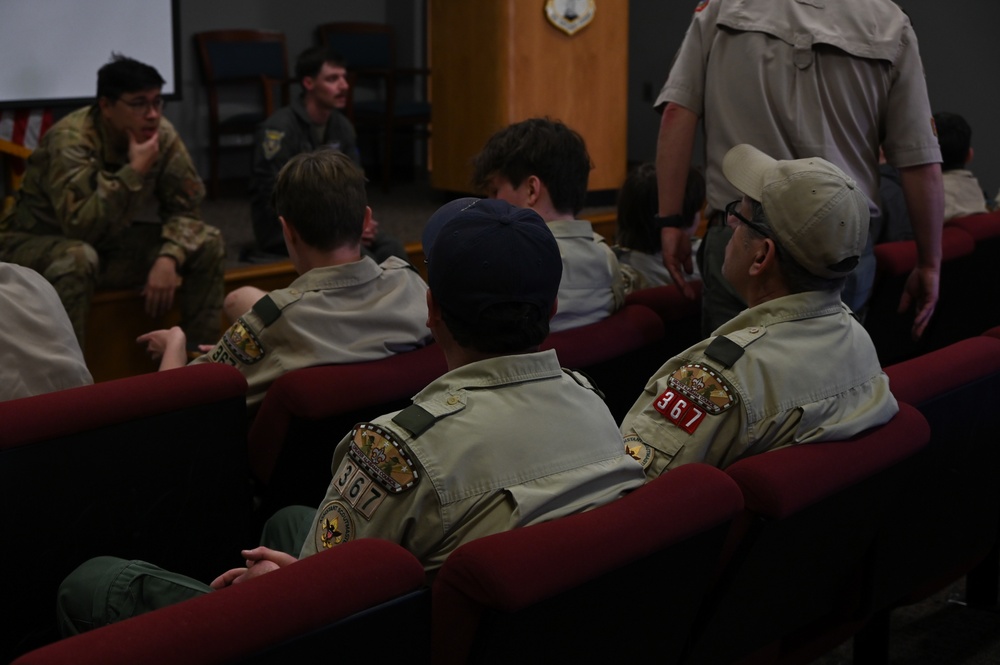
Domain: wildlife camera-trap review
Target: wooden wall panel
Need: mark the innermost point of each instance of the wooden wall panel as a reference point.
(517, 65)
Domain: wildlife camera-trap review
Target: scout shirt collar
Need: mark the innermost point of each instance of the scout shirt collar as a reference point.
(796, 306)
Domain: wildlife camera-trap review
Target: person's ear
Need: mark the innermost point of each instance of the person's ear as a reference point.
(555, 308)
(308, 83)
(288, 231)
(764, 258)
(433, 310)
(534, 187)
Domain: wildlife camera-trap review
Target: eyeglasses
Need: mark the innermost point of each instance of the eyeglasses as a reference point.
(731, 209)
(143, 106)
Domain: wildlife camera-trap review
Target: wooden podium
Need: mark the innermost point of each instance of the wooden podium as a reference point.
(496, 62)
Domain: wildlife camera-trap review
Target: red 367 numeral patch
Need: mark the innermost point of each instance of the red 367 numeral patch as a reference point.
(679, 410)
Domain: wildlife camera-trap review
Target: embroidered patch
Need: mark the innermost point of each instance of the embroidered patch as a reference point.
(272, 143)
(570, 16)
(241, 342)
(357, 488)
(334, 526)
(701, 6)
(639, 451)
(693, 391)
(380, 453)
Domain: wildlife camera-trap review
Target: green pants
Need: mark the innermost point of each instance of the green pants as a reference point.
(76, 269)
(105, 590)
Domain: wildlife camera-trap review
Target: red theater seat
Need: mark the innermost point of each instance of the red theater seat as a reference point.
(150, 467)
(620, 583)
(340, 604)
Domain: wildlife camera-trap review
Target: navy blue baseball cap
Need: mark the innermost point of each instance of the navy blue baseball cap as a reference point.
(483, 252)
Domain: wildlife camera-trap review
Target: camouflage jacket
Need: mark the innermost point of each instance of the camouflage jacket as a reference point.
(78, 184)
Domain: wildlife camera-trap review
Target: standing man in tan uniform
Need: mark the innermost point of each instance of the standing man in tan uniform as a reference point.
(796, 366)
(799, 78)
(504, 439)
(110, 199)
(344, 308)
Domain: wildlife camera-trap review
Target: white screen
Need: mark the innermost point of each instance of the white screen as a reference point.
(53, 48)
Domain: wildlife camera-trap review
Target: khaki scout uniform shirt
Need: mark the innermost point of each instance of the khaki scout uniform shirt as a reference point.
(340, 314)
(962, 194)
(490, 446)
(772, 80)
(592, 287)
(79, 185)
(38, 349)
(792, 370)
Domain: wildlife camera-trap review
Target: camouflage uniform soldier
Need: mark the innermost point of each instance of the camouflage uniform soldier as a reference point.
(96, 180)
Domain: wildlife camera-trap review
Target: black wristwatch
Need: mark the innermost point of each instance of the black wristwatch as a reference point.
(670, 221)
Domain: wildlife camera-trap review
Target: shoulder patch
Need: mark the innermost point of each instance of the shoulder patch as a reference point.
(272, 143)
(334, 526)
(639, 451)
(415, 419)
(693, 392)
(357, 488)
(380, 453)
(267, 310)
(242, 343)
(724, 351)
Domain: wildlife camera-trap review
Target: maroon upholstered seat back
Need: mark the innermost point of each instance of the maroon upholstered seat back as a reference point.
(287, 616)
(619, 353)
(812, 513)
(571, 588)
(150, 467)
(889, 329)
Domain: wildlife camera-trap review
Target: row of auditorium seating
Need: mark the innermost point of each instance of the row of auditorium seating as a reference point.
(969, 290)
(774, 560)
(290, 442)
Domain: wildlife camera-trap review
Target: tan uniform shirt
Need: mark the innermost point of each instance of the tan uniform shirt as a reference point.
(792, 370)
(962, 194)
(648, 269)
(592, 286)
(341, 314)
(487, 447)
(79, 185)
(770, 79)
(38, 349)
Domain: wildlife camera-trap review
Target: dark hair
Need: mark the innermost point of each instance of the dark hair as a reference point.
(311, 61)
(508, 327)
(541, 147)
(123, 75)
(322, 194)
(955, 136)
(797, 279)
(638, 203)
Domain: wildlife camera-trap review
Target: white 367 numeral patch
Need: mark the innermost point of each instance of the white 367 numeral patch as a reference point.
(679, 410)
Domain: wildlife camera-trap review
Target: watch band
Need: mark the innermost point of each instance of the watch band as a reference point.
(670, 221)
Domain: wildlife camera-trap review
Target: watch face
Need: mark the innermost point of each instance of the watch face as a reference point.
(570, 16)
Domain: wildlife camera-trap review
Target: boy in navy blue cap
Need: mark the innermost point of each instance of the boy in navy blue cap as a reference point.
(504, 439)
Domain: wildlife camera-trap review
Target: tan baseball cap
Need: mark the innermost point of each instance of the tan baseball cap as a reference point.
(815, 210)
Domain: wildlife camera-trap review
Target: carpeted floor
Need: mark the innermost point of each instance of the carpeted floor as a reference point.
(940, 630)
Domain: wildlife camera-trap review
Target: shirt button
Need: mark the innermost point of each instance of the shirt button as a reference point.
(452, 401)
(754, 331)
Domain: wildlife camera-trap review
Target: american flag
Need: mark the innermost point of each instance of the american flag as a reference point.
(20, 132)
